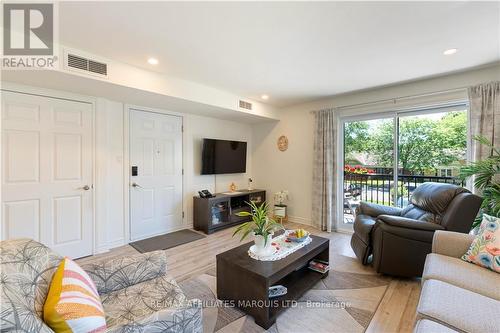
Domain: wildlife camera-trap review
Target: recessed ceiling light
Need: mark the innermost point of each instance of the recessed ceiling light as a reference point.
(153, 61)
(265, 97)
(450, 51)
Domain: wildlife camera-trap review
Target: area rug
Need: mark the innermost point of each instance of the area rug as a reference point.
(342, 302)
(166, 241)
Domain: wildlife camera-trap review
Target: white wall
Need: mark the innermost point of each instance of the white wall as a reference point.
(195, 129)
(112, 182)
(141, 87)
(111, 171)
(109, 187)
(271, 169)
(292, 170)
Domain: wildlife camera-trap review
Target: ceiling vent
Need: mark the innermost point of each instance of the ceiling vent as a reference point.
(79, 63)
(245, 105)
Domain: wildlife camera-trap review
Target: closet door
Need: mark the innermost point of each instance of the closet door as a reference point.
(47, 172)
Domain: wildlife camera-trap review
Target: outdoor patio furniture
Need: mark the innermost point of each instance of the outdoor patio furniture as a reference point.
(353, 190)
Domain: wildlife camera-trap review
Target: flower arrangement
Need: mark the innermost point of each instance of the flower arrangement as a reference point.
(280, 197)
(358, 169)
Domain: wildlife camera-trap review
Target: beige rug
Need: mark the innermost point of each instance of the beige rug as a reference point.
(345, 301)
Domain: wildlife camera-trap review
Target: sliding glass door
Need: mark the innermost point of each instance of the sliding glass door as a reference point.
(431, 148)
(368, 176)
(385, 157)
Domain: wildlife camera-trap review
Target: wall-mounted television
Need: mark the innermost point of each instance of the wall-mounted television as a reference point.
(223, 156)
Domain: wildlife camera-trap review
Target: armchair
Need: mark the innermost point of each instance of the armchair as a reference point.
(137, 293)
(399, 239)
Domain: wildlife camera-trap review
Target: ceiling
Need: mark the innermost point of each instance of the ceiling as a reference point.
(292, 51)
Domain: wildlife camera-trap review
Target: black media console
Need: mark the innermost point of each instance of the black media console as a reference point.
(219, 212)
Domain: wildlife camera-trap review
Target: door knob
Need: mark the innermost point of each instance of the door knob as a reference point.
(136, 185)
(85, 188)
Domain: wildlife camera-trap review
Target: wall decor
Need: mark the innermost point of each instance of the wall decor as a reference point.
(282, 143)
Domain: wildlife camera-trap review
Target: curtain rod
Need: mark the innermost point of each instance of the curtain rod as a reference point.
(396, 99)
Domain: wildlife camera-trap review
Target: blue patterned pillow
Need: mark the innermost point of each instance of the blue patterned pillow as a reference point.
(485, 249)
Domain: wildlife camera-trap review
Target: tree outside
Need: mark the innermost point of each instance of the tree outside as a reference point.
(429, 145)
(426, 142)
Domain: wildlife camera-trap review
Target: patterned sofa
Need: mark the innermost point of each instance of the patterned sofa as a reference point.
(136, 292)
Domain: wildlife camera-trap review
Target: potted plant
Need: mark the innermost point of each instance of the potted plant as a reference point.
(279, 204)
(486, 175)
(261, 226)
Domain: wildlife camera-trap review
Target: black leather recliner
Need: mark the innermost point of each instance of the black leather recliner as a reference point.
(400, 238)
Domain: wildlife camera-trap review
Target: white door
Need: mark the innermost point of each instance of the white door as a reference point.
(156, 190)
(47, 172)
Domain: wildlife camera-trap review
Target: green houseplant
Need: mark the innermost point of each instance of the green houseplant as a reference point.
(486, 180)
(261, 226)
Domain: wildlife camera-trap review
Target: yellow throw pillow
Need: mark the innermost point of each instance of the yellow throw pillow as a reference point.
(73, 304)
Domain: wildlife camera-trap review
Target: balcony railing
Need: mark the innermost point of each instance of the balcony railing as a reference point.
(378, 188)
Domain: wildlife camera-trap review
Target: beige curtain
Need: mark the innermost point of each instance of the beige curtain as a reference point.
(323, 207)
(484, 102)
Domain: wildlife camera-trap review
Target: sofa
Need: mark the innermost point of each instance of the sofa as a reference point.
(457, 296)
(136, 292)
(400, 238)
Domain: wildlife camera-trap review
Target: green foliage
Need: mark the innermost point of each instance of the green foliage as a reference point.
(486, 179)
(452, 131)
(381, 144)
(423, 143)
(403, 191)
(356, 136)
(261, 224)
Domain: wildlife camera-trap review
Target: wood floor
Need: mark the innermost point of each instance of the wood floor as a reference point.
(395, 313)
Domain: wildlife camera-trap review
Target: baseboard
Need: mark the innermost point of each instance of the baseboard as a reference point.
(300, 220)
(109, 245)
(343, 231)
(116, 243)
(101, 249)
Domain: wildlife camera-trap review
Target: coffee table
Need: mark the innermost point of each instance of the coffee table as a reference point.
(244, 282)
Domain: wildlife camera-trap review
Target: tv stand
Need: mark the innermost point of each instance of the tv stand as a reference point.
(219, 212)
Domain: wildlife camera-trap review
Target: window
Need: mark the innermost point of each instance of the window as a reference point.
(445, 172)
(386, 157)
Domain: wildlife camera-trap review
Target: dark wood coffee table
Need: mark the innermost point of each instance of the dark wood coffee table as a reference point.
(244, 282)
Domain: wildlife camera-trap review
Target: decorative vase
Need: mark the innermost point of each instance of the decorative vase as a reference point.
(262, 246)
(280, 210)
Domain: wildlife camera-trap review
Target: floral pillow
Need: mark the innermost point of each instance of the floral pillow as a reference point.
(485, 249)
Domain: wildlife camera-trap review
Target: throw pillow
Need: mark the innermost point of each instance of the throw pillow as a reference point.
(485, 249)
(73, 304)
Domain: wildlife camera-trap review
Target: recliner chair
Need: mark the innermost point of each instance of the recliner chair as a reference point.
(400, 238)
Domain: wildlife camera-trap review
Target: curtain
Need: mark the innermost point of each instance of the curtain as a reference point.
(324, 189)
(484, 102)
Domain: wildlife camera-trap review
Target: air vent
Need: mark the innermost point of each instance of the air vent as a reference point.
(98, 67)
(78, 62)
(87, 65)
(245, 105)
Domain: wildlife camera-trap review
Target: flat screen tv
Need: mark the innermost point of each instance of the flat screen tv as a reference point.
(222, 156)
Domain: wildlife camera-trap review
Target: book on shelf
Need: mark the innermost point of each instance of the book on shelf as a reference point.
(319, 266)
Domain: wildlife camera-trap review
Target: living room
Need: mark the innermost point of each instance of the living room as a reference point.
(250, 166)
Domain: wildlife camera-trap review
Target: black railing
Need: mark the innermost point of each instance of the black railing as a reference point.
(378, 188)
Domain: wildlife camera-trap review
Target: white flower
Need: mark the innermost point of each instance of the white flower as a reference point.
(280, 197)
